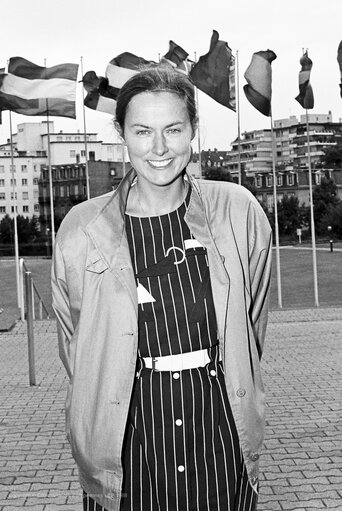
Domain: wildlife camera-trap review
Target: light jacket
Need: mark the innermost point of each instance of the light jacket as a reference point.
(95, 300)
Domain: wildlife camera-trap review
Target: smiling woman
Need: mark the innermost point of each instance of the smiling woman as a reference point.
(160, 291)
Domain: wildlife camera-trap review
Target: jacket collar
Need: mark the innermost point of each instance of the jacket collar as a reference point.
(107, 229)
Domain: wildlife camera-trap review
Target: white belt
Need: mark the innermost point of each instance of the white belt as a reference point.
(189, 360)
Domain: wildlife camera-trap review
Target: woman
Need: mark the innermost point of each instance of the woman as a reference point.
(160, 290)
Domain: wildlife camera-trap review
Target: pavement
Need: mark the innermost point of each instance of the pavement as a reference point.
(301, 465)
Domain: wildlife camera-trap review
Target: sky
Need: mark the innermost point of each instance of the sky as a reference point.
(98, 30)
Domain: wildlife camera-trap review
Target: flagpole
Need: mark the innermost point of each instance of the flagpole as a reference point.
(238, 114)
(52, 216)
(198, 128)
(16, 242)
(276, 226)
(313, 238)
(85, 138)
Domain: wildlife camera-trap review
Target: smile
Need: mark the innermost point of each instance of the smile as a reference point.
(160, 164)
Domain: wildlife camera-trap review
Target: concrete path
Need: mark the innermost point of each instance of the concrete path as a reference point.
(302, 459)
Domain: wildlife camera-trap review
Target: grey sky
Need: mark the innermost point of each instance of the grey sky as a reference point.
(64, 30)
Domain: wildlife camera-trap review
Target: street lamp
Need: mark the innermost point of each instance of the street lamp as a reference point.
(331, 240)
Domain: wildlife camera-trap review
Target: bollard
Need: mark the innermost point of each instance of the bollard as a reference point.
(331, 246)
(29, 322)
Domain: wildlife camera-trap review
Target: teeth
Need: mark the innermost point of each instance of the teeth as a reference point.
(160, 164)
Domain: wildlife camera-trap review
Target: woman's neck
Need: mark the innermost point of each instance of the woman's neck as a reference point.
(145, 200)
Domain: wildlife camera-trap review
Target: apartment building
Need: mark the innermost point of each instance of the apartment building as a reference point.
(20, 184)
(291, 156)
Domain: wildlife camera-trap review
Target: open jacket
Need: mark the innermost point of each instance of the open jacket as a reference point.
(95, 300)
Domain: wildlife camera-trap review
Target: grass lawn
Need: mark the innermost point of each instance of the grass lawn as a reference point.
(297, 278)
(296, 281)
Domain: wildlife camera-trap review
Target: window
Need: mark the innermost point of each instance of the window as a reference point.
(13, 182)
(24, 182)
(24, 168)
(279, 180)
(25, 209)
(72, 153)
(36, 207)
(2, 196)
(68, 190)
(290, 179)
(35, 194)
(13, 195)
(25, 195)
(59, 139)
(35, 181)
(83, 152)
(270, 202)
(13, 168)
(61, 191)
(77, 139)
(269, 180)
(2, 182)
(12, 209)
(76, 189)
(318, 178)
(68, 139)
(113, 173)
(2, 209)
(2, 169)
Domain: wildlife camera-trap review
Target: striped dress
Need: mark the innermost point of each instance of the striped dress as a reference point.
(181, 450)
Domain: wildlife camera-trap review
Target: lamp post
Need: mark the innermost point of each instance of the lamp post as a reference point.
(331, 239)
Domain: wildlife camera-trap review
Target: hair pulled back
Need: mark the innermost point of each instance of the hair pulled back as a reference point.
(157, 78)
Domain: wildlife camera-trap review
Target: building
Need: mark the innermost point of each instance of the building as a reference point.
(291, 156)
(69, 185)
(30, 152)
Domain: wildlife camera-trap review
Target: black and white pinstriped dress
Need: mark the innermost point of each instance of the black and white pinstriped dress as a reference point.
(181, 450)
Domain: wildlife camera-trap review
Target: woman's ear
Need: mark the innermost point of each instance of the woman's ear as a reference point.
(119, 130)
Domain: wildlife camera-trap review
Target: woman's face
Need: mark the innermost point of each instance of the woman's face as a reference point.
(158, 134)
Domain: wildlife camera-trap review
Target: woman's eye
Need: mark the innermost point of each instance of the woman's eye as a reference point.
(173, 131)
(143, 132)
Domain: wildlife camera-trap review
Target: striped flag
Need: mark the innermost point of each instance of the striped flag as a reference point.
(29, 89)
(178, 58)
(339, 60)
(258, 89)
(103, 91)
(305, 97)
(214, 73)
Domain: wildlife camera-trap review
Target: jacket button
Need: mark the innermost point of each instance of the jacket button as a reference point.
(254, 456)
(240, 392)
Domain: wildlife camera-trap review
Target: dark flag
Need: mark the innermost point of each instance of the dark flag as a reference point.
(29, 89)
(258, 89)
(103, 91)
(305, 97)
(214, 73)
(339, 60)
(178, 58)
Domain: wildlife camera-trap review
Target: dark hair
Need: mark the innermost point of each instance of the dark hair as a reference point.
(157, 78)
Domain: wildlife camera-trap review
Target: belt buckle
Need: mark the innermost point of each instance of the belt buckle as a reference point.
(154, 362)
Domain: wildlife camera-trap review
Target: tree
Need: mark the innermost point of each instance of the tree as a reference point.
(332, 157)
(28, 229)
(291, 215)
(325, 198)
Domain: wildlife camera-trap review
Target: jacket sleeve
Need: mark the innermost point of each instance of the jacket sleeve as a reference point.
(260, 258)
(61, 306)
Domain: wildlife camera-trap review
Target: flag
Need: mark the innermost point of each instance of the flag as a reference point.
(103, 91)
(178, 58)
(258, 89)
(305, 97)
(214, 73)
(29, 89)
(339, 60)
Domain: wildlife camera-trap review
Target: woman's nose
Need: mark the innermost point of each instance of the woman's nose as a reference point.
(159, 145)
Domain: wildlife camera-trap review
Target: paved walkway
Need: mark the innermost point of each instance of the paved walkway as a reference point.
(302, 460)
